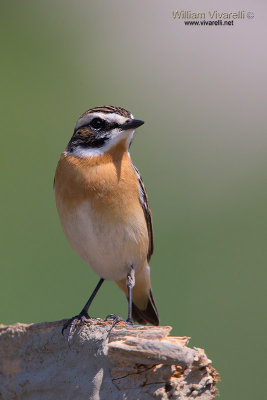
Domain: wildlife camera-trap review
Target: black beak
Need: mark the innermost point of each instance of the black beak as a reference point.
(132, 124)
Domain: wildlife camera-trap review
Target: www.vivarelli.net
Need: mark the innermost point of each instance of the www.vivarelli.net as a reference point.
(211, 18)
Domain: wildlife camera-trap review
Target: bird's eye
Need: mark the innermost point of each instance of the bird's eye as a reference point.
(97, 123)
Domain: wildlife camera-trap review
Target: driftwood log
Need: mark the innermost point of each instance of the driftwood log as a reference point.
(127, 363)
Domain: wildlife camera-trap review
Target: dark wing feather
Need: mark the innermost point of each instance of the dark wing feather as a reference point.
(147, 212)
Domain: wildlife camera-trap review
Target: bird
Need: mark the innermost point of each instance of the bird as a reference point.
(104, 212)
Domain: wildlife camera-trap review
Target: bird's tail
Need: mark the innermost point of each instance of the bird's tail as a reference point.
(144, 307)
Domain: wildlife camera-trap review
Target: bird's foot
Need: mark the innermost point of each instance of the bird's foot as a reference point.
(72, 323)
(117, 319)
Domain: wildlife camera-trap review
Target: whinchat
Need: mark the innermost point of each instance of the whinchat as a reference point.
(103, 208)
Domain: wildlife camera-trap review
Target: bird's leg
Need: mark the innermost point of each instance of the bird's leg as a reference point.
(130, 282)
(84, 313)
(87, 305)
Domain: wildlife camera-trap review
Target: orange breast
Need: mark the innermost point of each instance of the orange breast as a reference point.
(108, 182)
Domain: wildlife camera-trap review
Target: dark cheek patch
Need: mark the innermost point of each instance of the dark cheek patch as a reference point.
(94, 142)
(86, 138)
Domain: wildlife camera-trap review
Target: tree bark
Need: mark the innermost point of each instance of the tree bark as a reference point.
(127, 362)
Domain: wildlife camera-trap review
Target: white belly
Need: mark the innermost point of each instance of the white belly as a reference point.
(109, 248)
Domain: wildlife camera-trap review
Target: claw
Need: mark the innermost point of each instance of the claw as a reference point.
(72, 322)
(117, 319)
(114, 317)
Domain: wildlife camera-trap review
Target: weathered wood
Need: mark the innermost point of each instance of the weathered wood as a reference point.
(128, 362)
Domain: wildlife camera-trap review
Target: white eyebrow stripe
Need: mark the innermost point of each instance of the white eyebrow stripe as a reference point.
(112, 117)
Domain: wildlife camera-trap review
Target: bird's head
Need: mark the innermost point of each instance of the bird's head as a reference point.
(100, 128)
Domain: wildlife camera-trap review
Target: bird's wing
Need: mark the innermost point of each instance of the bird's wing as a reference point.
(147, 212)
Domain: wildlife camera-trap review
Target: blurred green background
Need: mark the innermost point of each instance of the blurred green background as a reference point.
(202, 155)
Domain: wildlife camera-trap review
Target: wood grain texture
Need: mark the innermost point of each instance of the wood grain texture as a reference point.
(130, 362)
